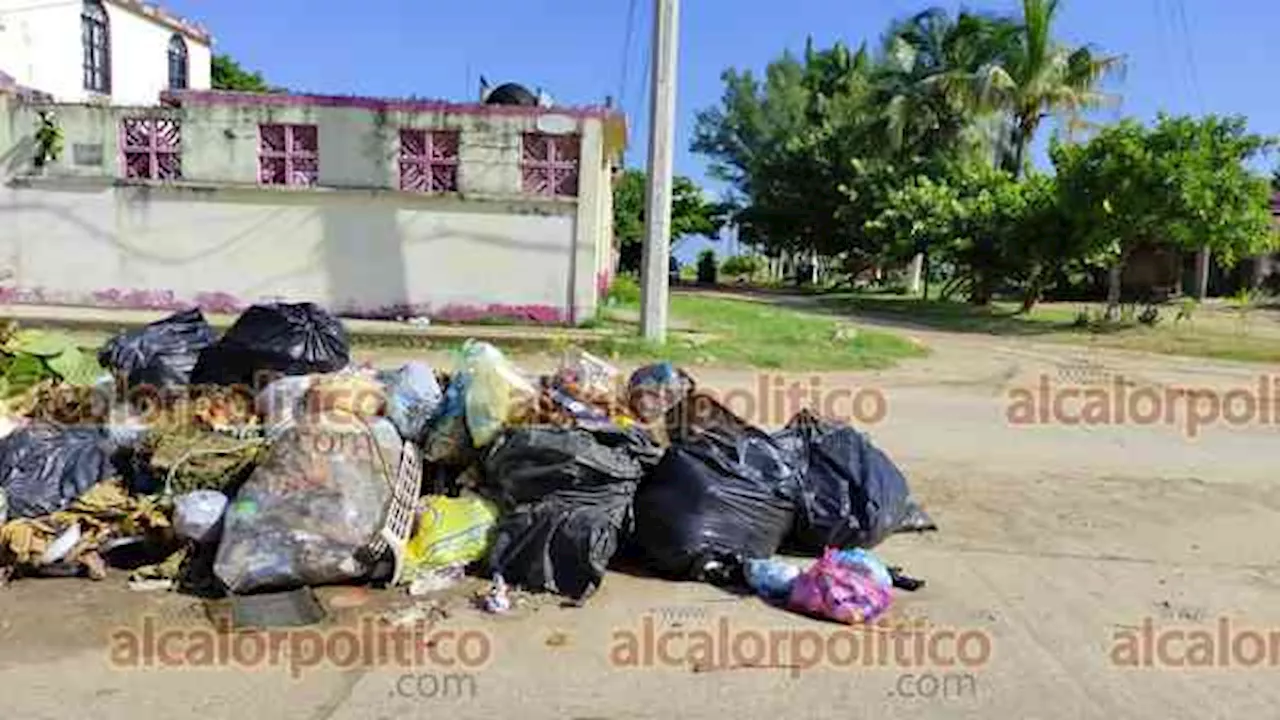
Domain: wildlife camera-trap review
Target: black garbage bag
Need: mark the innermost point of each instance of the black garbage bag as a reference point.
(527, 464)
(853, 494)
(44, 468)
(276, 339)
(714, 502)
(563, 543)
(161, 354)
(568, 496)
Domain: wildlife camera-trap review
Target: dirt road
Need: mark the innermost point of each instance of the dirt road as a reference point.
(1058, 543)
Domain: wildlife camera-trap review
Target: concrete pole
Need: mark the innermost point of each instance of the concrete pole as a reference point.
(662, 124)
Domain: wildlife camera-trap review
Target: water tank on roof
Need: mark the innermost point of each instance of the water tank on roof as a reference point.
(511, 94)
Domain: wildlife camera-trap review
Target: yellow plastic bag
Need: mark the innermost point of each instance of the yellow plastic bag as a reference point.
(496, 391)
(450, 531)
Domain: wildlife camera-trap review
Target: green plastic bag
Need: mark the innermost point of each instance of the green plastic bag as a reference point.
(450, 531)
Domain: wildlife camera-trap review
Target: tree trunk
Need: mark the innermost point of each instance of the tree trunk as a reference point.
(913, 273)
(1201, 289)
(924, 264)
(1114, 277)
(1034, 288)
(982, 292)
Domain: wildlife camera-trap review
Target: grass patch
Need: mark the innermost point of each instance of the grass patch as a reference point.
(1217, 332)
(998, 318)
(729, 332)
(1186, 341)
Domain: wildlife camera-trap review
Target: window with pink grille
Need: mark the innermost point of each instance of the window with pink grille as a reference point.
(288, 154)
(152, 148)
(429, 160)
(549, 164)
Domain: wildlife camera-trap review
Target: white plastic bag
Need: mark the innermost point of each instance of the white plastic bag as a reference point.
(197, 515)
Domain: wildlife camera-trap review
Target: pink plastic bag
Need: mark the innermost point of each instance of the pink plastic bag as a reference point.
(844, 592)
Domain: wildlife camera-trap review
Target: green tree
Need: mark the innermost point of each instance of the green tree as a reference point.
(691, 214)
(1183, 183)
(922, 216)
(228, 75)
(787, 145)
(1037, 76)
(927, 83)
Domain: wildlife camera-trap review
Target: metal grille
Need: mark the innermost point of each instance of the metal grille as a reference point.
(549, 164)
(429, 160)
(152, 148)
(288, 155)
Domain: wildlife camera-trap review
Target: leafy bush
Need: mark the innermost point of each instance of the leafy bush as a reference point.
(1187, 309)
(624, 290)
(1150, 316)
(742, 265)
(707, 267)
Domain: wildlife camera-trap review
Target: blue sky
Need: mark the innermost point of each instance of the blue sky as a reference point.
(1184, 56)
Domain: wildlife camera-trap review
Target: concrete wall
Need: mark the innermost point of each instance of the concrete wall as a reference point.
(40, 47)
(77, 233)
(371, 254)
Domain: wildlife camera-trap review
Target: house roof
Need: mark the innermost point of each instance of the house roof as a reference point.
(192, 30)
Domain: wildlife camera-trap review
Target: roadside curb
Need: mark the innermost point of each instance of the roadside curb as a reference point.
(365, 332)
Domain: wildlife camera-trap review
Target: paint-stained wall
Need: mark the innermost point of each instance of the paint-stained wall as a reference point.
(77, 232)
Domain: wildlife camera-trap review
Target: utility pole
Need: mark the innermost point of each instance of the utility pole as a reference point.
(662, 121)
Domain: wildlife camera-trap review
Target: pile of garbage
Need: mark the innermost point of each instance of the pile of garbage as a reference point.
(265, 461)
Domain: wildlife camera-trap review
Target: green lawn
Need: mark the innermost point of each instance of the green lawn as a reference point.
(999, 318)
(1215, 331)
(729, 332)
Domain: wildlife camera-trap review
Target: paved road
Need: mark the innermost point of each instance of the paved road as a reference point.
(1057, 543)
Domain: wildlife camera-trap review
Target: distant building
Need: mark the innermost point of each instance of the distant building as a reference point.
(118, 52)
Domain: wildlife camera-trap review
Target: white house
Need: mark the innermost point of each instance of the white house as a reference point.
(121, 52)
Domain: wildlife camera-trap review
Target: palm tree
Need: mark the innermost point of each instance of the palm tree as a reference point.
(934, 80)
(1037, 77)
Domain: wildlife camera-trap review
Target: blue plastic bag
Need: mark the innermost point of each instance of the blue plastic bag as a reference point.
(771, 578)
(413, 399)
(867, 559)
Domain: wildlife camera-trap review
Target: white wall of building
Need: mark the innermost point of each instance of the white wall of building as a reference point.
(40, 47)
(140, 58)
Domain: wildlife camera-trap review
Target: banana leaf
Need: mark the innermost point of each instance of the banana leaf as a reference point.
(23, 373)
(76, 367)
(38, 342)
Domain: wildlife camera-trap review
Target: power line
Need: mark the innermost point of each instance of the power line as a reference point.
(1189, 48)
(626, 53)
(1166, 59)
